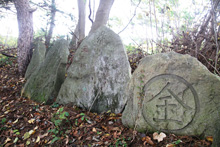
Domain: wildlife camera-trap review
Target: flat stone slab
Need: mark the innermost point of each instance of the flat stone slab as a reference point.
(173, 93)
(45, 82)
(98, 75)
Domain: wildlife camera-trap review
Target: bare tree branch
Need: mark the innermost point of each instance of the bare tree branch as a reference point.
(7, 55)
(90, 12)
(72, 33)
(215, 34)
(131, 17)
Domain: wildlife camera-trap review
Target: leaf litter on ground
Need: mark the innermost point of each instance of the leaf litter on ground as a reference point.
(24, 122)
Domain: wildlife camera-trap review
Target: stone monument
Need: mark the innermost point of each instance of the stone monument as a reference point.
(37, 57)
(45, 82)
(173, 93)
(98, 75)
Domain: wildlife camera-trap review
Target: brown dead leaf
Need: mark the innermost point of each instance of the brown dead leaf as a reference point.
(113, 118)
(8, 144)
(148, 140)
(2, 116)
(89, 138)
(115, 129)
(115, 134)
(37, 113)
(75, 133)
(105, 128)
(20, 145)
(44, 135)
(67, 139)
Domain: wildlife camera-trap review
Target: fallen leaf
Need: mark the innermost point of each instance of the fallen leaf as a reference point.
(36, 128)
(7, 140)
(115, 134)
(31, 121)
(31, 132)
(2, 116)
(106, 135)
(37, 113)
(15, 121)
(75, 133)
(159, 137)
(67, 139)
(170, 145)
(44, 135)
(113, 118)
(115, 129)
(16, 139)
(148, 140)
(8, 144)
(28, 134)
(105, 128)
(28, 142)
(89, 138)
(112, 115)
(95, 139)
(94, 130)
(38, 139)
(209, 138)
(6, 112)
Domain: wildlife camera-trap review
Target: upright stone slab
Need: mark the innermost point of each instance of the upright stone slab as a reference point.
(98, 74)
(173, 93)
(37, 57)
(44, 84)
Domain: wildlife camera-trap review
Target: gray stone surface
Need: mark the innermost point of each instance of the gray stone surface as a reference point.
(37, 57)
(98, 74)
(44, 84)
(173, 93)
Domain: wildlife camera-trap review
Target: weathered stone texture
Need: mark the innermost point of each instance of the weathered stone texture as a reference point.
(37, 57)
(44, 84)
(174, 93)
(98, 74)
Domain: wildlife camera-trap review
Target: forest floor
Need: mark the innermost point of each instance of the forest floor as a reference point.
(24, 122)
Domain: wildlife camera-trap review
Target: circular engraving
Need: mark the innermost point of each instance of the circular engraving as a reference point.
(170, 102)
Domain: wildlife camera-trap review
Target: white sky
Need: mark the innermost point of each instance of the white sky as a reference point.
(8, 25)
(121, 8)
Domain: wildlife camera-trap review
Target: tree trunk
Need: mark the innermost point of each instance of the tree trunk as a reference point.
(102, 14)
(52, 24)
(25, 25)
(79, 33)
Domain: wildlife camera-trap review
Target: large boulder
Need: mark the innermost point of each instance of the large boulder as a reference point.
(44, 84)
(173, 93)
(37, 57)
(98, 74)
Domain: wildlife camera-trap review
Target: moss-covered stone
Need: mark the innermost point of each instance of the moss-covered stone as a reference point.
(45, 82)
